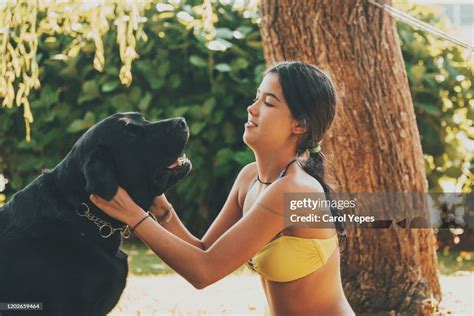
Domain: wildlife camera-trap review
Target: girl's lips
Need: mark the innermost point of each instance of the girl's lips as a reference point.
(250, 125)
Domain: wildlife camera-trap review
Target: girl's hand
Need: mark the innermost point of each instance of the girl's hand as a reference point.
(160, 205)
(121, 207)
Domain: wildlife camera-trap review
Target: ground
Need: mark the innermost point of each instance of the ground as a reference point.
(153, 289)
(241, 294)
(172, 295)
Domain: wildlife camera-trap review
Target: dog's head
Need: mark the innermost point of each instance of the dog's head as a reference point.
(145, 158)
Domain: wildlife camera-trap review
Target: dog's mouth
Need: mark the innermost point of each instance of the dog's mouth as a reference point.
(182, 160)
(165, 179)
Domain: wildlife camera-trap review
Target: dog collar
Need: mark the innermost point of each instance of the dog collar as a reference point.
(106, 229)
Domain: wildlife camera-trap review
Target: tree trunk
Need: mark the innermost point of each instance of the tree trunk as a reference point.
(374, 135)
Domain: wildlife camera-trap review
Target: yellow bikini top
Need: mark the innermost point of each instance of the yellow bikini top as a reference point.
(288, 258)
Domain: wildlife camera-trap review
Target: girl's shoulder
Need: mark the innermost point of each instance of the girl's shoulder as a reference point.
(248, 173)
(298, 182)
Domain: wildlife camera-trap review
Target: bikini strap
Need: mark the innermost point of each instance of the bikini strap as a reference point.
(283, 172)
(251, 184)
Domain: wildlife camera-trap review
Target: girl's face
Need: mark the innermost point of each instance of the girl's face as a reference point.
(270, 123)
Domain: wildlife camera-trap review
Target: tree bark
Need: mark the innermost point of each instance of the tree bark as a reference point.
(374, 135)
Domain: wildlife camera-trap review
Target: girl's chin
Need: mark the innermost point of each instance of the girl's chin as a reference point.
(248, 139)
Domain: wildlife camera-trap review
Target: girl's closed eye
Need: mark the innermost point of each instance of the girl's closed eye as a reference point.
(268, 104)
(265, 102)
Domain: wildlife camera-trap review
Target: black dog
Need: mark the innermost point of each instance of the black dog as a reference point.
(54, 252)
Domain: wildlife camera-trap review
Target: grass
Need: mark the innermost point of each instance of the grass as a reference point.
(452, 261)
(143, 261)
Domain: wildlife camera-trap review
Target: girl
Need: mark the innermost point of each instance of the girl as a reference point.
(299, 267)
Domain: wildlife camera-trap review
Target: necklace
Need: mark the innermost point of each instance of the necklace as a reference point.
(282, 173)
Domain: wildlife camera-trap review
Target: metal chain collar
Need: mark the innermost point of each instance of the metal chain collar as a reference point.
(105, 228)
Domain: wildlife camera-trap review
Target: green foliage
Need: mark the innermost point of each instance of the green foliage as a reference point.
(441, 85)
(24, 23)
(181, 73)
(178, 73)
(143, 262)
(453, 261)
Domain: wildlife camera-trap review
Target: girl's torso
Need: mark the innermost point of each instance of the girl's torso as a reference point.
(317, 293)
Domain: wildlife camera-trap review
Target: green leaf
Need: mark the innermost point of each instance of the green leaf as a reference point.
(229, 133)
(145, 102)
(156, 83)
(90, 91)
(453, 172)
(180, 111)
(244, 157)
(223, 157)
(134, 94)
(418, 72)
(16, 183)
(113, 71)
(198, 61)
(244, 29)
(77, 125)
(175, 81)
(62, 110)
(240, 63)
(223, 67)
(209, 105)
(49, 117)
(224, 32)
(166, 15)
(429, 108)
(255, 44)
(121, 103)
(37, 104)
(49, 95)
(110, 86)
(89, 118)
(151, 75)
(218, 117)
(197, 127)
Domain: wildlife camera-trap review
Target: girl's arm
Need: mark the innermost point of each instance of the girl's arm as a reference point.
(204, 267)
(231, 212)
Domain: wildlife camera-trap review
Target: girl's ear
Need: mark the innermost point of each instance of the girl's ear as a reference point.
(299, 127)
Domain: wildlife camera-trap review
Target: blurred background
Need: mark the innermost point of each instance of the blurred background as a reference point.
(203, 60)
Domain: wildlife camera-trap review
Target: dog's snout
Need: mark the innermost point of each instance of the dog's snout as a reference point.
(172, 125)
(181, 124)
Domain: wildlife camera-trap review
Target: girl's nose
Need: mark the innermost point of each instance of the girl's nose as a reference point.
(251, 108)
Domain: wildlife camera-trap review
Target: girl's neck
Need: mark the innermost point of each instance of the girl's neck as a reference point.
(271, 163)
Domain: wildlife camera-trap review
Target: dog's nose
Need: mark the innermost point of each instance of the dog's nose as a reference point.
(181, 124)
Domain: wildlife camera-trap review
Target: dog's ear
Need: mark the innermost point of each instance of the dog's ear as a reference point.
(99, 173)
